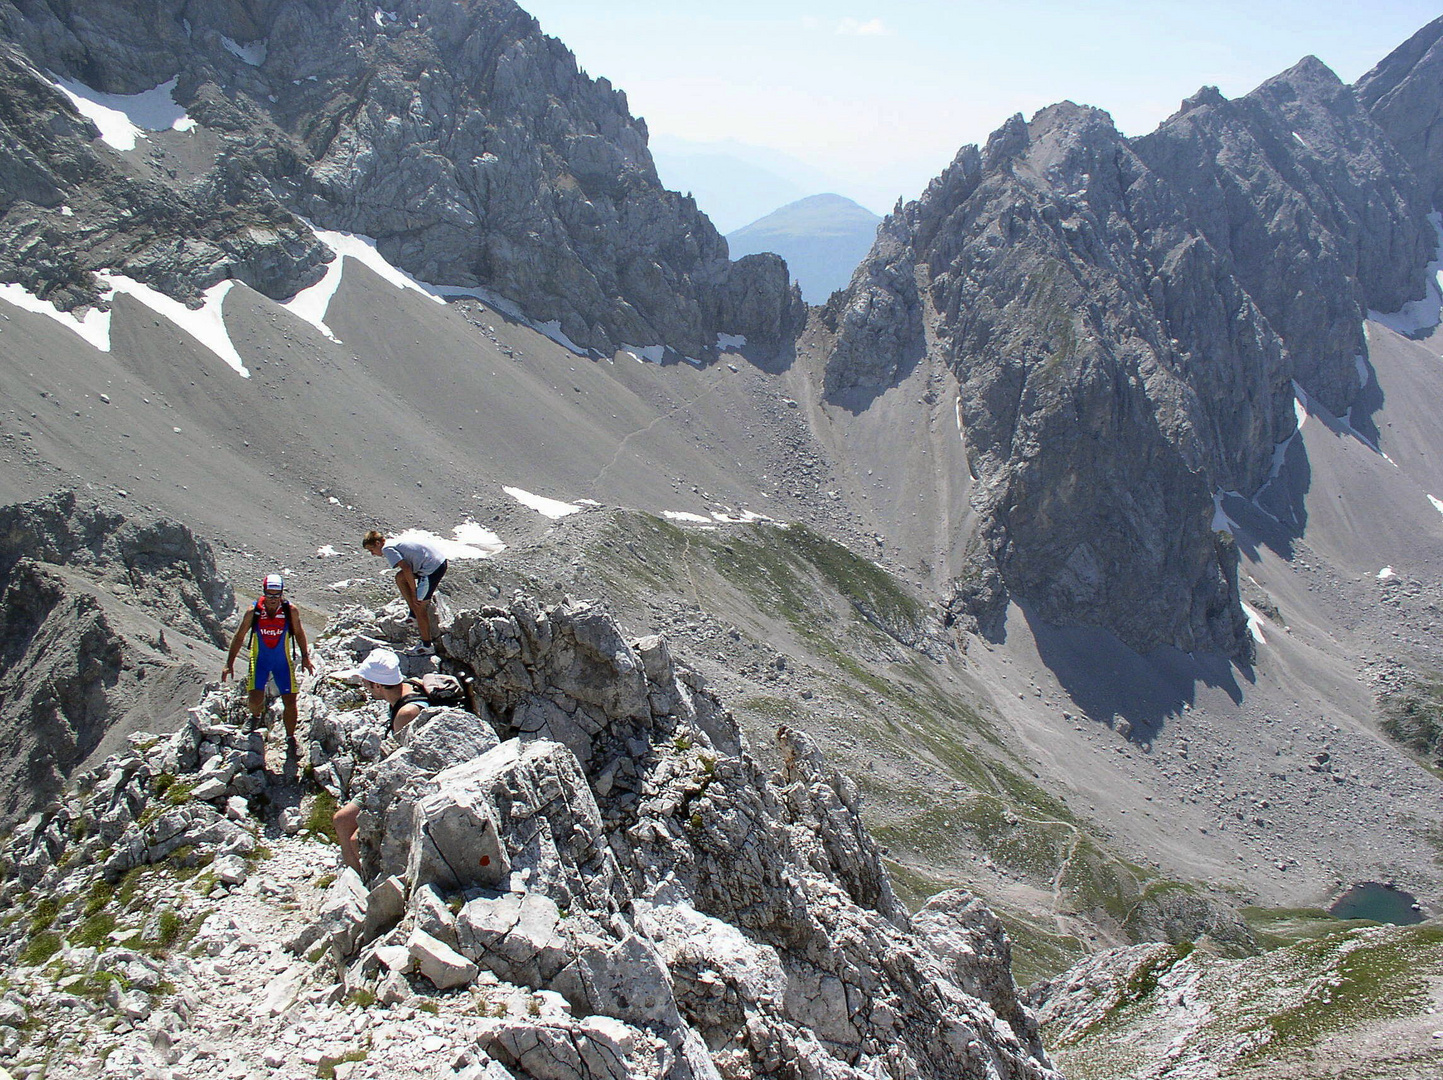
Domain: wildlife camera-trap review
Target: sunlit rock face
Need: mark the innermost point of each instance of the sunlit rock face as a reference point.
(457, 135)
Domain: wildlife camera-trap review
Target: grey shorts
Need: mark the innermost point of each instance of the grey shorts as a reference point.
(426, 586)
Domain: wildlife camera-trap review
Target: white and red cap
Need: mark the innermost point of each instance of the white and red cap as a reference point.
(273, 583)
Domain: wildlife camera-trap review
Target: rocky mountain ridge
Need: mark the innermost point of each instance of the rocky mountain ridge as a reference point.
(466, 143)
(1127, 320)
(107, 622)
(640, 898)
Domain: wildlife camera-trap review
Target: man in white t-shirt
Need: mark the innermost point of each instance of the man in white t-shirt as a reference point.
(420, 566)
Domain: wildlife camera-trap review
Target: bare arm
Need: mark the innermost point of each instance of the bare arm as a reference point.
(235, 644)
(300, 632)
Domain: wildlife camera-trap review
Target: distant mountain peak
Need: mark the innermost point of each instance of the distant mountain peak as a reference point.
(821, 237)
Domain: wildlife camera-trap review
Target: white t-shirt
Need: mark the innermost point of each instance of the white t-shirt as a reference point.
(423, 559)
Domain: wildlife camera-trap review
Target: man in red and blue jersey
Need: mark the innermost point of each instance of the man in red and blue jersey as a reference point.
(275, 632)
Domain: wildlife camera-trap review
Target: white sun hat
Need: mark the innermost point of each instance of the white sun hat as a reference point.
(381, 666)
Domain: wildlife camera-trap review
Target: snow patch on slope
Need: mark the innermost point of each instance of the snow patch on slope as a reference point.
(1255, 623)
(552, 508)
(252, 53)
(94, 327)
(206, 325)
(124, 118)
(311, 304)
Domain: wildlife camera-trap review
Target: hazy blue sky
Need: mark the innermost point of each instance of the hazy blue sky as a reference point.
(880, 97)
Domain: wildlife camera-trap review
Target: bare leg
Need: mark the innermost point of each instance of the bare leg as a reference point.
(257, 701)
(345, 823)
(289, 714)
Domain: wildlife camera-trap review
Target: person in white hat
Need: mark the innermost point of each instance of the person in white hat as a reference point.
(275, 632)
(380, 674)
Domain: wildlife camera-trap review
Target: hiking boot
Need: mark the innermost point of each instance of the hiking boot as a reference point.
(423, 649)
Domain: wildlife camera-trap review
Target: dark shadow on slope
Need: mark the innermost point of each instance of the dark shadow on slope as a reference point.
(1366, 406)
(1278, 514)
(1114, 685)
(857, 396)
(773, 360)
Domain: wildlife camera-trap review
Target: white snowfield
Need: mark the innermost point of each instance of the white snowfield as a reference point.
(94, 327)
(205, 324)
(125, 118)
(252, 53)
(552, 508)
(743, 517)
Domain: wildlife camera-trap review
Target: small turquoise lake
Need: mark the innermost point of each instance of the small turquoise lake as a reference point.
(1379, 903)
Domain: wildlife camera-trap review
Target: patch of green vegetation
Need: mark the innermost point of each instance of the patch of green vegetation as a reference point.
(1039, 951)
(93, 931)
(128, 885)
(1145, 979)
(162, 783)
(43, 917)
(179, 793)
(361, 997)
(186, 861)
(325, 881)
(40, 948)
(914, 887)
(429, 1007)
(1377, 976)
(100, 894)
(319, 817)
(1412, 715)
(97, 984)
(1279, 927)
(1102, 883)
(326, 1067)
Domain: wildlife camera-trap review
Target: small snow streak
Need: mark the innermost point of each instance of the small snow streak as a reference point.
(1437, 505)
(253, 53)
(476, 538)
(1386, 573)
(646, 354)
(1255, 624)
(455, 549)
(312, 304)
(206, 325)
(1221, 521)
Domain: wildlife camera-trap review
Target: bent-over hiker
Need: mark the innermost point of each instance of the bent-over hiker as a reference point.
(380, 674)
(275, 632)
(420, 566)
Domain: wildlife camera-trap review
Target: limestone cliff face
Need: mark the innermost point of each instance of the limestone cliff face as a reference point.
(1402, 96)
(1318, 213)
(456, 134)
(1126, 320)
